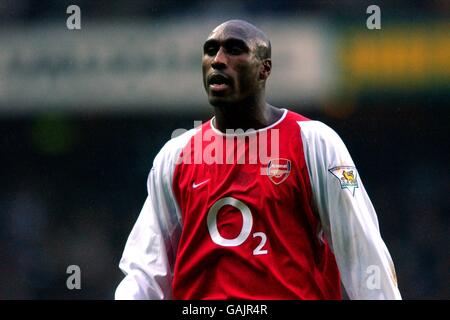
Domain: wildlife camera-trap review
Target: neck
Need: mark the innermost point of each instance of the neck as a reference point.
(246, 115)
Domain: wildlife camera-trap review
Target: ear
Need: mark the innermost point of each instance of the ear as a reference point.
(266, 68)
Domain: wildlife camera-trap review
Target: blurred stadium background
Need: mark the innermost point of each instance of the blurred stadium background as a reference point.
(84, 112)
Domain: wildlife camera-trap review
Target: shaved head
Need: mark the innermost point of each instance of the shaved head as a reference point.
(236, 64)
(250, 33)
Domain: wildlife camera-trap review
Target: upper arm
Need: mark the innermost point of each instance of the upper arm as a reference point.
(347, 215)
(149, 256)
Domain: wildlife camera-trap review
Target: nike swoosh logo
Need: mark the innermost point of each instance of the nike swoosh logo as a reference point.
(196, 185)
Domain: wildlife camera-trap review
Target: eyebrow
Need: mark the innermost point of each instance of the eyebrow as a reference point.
(227, 42)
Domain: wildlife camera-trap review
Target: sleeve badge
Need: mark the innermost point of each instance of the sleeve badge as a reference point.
(347, 177)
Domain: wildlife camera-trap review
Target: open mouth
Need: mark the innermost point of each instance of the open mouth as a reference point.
(218, 82)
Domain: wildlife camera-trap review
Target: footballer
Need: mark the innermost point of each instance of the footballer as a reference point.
(291, 225)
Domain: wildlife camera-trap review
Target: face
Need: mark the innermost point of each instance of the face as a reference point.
(231, 69)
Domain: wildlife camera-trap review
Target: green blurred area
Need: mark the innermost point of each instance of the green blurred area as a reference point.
(53, 134)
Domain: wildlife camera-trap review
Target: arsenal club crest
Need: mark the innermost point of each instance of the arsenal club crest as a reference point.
(278, 170)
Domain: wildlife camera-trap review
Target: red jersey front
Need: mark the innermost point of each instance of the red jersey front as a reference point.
(249, 229)
(225, 220)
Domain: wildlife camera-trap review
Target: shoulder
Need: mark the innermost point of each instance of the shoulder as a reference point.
(165, 161)
(313, 130)
(319, 132)
(323, 145)
(169, 153)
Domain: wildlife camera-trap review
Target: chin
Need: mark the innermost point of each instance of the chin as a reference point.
(220, 102)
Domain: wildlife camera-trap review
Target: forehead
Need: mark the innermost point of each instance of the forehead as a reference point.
(230, 31)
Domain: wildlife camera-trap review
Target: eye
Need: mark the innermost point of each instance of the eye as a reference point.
(235, 50)
(210, 50)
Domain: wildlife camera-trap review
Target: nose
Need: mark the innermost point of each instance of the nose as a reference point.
(220, 60)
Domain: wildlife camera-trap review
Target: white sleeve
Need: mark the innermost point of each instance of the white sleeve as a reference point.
(149, 256)
(348, 218)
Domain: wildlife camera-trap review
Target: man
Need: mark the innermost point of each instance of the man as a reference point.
(289, 226)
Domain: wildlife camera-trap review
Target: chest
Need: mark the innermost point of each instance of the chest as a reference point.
(271, 183)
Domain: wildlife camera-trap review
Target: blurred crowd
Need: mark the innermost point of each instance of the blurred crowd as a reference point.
(73, 185)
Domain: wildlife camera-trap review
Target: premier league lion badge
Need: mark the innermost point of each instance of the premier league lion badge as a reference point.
(347, 177)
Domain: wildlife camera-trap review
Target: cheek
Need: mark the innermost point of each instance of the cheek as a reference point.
(205, 67)
(248, 76)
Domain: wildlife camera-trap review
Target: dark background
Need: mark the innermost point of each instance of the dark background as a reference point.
(73, 184)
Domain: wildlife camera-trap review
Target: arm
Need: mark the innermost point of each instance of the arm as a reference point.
(149, 256)
(348, 218)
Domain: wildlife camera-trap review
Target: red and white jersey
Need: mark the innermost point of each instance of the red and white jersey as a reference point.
(290, 223)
